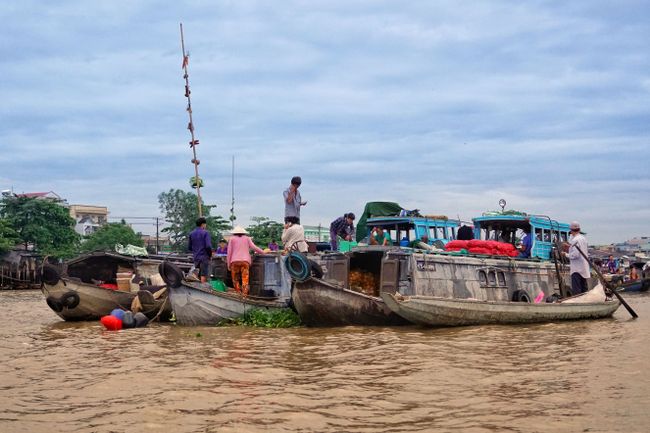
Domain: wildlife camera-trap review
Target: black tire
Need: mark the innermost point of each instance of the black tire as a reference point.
(553, 298)
(171, 274)
(521, 296)
(54, 304)
(70, 299)
(316, 270)
(50, 274)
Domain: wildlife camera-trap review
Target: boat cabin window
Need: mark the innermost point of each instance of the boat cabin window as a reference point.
(492, 278)
(482, 278)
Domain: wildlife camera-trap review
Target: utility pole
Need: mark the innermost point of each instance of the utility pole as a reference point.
(157, 246)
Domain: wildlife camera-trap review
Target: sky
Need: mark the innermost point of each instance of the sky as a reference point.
(443, 106)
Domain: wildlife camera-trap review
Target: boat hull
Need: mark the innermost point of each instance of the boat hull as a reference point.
(320, 303)
(195, 305)
(94, 302)
(444, 312)
(635, 286)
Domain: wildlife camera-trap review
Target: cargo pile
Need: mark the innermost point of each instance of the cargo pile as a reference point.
(477, 246)
(364, 282)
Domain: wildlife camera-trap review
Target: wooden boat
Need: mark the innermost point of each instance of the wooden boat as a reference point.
(19, 269)
(77, 292)
(320, 303)
(428, 271)
(444, 312)
(641, 285)
(196, 303)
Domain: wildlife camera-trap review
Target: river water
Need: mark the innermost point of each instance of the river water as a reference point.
(587, 376)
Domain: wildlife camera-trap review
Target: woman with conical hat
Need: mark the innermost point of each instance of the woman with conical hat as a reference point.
(239, 258)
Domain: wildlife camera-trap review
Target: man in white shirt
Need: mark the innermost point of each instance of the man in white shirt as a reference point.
(293, 238)
(579, 266)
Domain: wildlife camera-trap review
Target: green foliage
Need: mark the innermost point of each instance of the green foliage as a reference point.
(8, 236)
(43, 223)
(264, 231)
(110, 234)
(181, 211)
(284, 318)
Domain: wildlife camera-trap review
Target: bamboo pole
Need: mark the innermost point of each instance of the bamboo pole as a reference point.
(190, 125)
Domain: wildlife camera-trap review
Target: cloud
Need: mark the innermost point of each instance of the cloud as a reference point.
(440, 106)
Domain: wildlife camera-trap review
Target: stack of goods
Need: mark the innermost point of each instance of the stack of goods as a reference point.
(124, 281)
(364, 282)
(476, 246)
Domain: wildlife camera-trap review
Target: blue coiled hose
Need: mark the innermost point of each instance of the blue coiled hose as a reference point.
(298, 266)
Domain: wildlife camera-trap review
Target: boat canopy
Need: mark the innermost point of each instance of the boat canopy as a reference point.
(436, 228)
(509, 227)
(375, 209)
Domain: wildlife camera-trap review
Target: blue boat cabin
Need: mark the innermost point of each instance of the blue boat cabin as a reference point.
(439, 230)
(511, 228)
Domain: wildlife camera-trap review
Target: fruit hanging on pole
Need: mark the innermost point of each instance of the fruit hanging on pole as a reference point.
(194, 183)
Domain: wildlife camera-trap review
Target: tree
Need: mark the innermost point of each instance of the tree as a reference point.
(42, 223)
(110, 234)
(264, 231)
(181, 212)
(8, 236)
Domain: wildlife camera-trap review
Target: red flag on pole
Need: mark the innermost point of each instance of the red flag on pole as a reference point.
(186, 60)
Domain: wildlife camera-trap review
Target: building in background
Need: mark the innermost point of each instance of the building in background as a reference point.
(88, 218)
(50, 195)
(317, 233)
(155, 245)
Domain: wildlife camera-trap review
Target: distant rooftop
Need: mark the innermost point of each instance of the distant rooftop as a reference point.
(50, 195)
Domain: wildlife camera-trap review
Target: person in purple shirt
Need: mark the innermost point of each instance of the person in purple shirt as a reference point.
(222, 249)
(201, 248)
(343, 227)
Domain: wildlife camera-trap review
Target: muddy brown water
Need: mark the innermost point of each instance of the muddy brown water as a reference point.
(590, 376)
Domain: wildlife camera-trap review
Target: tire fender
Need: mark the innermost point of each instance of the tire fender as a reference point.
(50, 274)
(54, 304)
(70, 299)
(171, 274)
(521, 296)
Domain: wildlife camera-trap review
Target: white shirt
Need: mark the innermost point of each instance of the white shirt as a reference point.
(294, 235)
(578, 263)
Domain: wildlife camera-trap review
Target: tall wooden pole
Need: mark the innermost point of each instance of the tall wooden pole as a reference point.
(232, 194)
(190, 126)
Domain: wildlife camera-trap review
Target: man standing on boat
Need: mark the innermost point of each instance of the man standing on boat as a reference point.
(343, 227)
(579, 266)
(293, 201)
(201, 247)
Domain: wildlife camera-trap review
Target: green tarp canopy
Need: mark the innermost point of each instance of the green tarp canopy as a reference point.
(375, 209)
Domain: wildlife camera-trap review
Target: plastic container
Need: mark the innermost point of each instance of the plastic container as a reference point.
(218, 285)
(346, 245)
